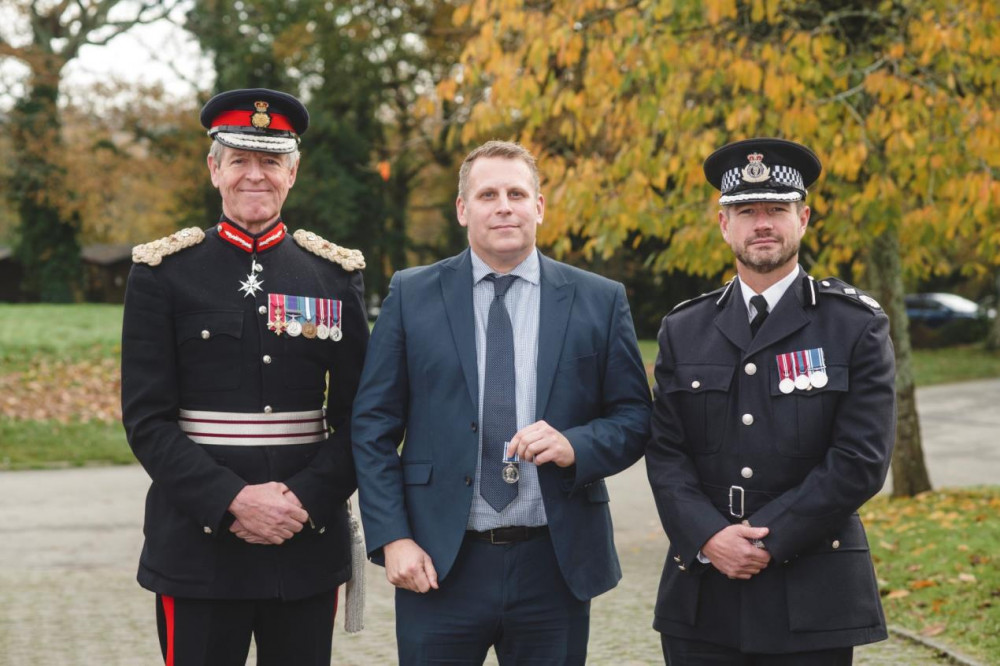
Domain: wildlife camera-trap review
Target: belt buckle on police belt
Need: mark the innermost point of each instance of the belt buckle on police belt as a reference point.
(732, 511)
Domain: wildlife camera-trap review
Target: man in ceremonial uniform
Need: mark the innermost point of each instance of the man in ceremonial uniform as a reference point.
(232, 337)
(517, 384)
(773, 422)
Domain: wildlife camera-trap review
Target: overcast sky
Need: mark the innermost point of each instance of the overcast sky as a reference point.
(156, 54)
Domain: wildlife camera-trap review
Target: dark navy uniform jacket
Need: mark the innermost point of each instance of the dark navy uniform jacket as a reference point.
(170, 363)
(806, 461)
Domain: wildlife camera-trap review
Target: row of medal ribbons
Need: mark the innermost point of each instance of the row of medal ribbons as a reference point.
(304, 315)
(803, 370)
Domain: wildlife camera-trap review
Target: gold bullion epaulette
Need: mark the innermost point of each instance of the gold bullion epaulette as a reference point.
(351, 260)
(152, 253)
(837, 287)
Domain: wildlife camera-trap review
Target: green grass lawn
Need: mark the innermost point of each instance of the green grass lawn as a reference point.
(937, 563)
(68, 332)
(47, 444)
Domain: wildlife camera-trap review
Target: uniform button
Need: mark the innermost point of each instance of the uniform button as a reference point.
(748, 419)
(677, 559)
(267, 409)
(835, 544)
(750, 368)
(468, 480)
(262, 309)
(475, 427)
(682, 567)
(825, 283)
(205, 335)
(695, 384)
(208, 530)
(267, 358)
(322, 530)
(746, 472)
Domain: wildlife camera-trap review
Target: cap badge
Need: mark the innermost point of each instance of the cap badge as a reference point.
(756, 171)
(260, 118)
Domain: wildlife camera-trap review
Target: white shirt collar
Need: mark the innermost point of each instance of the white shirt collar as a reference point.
(529, 269)
(772, 294)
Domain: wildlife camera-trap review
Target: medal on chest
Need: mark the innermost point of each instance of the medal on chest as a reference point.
(252, 284)
(803, 370)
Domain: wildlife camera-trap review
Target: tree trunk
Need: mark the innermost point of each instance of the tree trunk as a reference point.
(48, 244)
(909, 471)
(993, 334)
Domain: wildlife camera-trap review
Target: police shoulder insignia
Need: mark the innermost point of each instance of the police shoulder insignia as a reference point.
(837, 287)
(152, 253)
(697, 299)
(351, 260)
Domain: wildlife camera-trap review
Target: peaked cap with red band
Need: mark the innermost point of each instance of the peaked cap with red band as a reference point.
(256, 119)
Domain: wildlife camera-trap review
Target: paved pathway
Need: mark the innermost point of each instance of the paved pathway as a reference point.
(70, 540)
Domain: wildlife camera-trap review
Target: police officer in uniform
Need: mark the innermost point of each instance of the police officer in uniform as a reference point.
(232, 337)
(773, 423)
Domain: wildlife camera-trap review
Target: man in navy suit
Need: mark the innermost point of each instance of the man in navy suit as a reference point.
(517, 384)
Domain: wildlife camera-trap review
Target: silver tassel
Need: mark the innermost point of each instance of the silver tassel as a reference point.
(354, 615)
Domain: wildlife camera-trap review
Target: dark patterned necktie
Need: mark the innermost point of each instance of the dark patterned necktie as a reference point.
(760, 303)
(499, 406)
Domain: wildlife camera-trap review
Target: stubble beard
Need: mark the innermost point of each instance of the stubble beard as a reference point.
(766, 263)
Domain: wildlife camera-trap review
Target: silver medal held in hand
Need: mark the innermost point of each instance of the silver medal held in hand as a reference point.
(510, 472)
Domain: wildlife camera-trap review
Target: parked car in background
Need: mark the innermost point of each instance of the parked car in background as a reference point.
(939, 320)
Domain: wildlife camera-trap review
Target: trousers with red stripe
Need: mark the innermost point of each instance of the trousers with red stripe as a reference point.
(210, 632)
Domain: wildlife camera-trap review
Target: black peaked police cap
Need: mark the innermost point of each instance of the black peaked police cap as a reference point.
(762, 169)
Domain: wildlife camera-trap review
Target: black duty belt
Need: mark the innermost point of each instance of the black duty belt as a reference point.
(736, 501)
(504, 535)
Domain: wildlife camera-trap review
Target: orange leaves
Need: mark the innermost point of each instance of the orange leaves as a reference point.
(640, 94)
(63, 391)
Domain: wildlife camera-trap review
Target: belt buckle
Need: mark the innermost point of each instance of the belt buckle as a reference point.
(742, 505)
(493, 538)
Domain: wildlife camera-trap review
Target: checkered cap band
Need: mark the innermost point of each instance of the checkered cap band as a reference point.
(266, 144)
(780, 175)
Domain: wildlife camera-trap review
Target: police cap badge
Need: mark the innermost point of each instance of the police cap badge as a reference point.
(762, 170)
(256, 119)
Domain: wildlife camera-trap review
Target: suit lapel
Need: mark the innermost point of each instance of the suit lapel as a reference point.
(556, 299)
(456, 290)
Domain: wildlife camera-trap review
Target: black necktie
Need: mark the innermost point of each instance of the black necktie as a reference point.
(499, 405)
(760, 303)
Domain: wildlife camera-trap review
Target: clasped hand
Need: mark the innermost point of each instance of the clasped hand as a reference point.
(267, 513)
(733, 552)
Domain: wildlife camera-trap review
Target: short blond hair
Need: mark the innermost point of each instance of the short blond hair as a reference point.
(506, 149)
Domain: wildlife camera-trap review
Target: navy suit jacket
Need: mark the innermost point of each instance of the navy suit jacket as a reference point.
(420, 383)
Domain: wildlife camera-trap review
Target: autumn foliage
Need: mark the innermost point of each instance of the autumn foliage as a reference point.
(625, 99)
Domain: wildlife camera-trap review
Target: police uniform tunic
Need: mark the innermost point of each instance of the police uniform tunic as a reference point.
(732, 443)
(193, 342)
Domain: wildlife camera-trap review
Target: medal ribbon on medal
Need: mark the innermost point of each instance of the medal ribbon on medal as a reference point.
(802, 370)
(308, 316)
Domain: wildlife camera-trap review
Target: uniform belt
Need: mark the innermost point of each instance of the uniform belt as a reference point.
(502, 535)
(254, 429)
(737, 502)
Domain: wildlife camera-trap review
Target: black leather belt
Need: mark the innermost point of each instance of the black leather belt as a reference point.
(503, 535)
